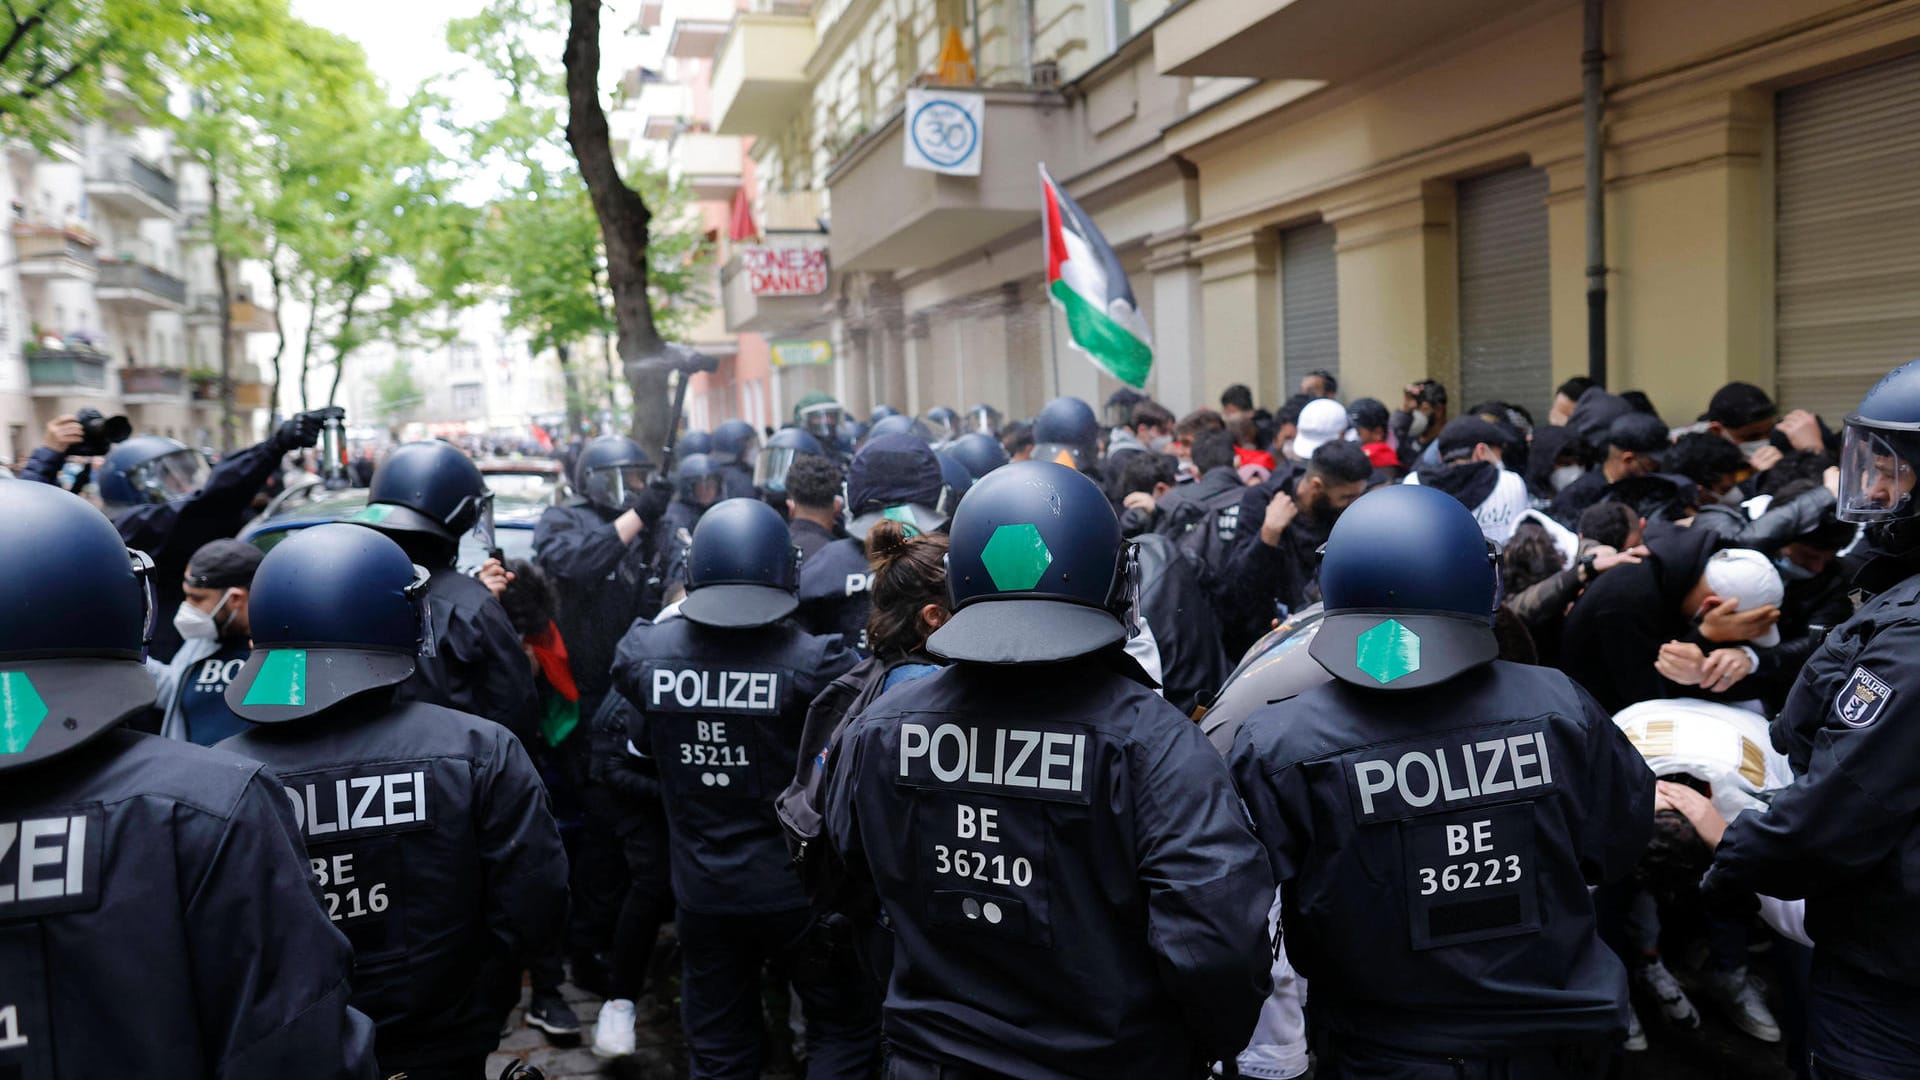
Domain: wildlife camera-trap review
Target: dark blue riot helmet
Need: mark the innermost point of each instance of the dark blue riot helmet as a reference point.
(879, 413)
(611, 468)
(1067, 432)
(1409, 585)
(770, 472)
(849, 435)
(1036, 569)
(984, 419)
(693, 442)
(336, 611)
(955, 480)
(980, 453)
(74, 619)
(150, 469)
(944, 423)
(696, 480)
(429, 487)
(734, 442)
(742, 568)
(1879, 459)
(894, 476)
(897, 424)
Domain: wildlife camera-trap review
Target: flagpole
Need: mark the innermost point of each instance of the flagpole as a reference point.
(1053, 339)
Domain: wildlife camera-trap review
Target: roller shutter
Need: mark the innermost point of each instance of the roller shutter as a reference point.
(1506, 347)
(1847, 291)
(1309, 303)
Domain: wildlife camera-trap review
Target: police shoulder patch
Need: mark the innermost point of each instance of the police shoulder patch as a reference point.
(1862, 699)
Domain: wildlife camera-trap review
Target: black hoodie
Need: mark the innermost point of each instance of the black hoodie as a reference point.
(1614, 632)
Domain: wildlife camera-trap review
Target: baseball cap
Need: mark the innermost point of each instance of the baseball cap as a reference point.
(1367, 412)
(1749, 577)
(1464, 433)
(1322, 420)
(1738, 404)
(894, 476)
(224, 564)
(1639, 433)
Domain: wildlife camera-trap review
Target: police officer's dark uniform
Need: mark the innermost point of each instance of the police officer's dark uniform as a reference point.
(428, 831)
(1435, 849)
(896, 476)
(1071, 883)
(424, 497)
(1846, 834)
(735, 450)
(723, 694)
(696, 485)
(156, 918)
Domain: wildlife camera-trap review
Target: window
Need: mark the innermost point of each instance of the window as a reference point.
(467, 399)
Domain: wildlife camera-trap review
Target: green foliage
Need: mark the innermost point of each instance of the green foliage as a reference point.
(396, 395)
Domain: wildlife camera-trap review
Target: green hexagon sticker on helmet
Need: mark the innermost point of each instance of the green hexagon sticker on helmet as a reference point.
(1016, 557)
(1387, 651)
(21, 711)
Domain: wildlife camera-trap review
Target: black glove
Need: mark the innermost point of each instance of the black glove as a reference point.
(299, 432)
(650, 502)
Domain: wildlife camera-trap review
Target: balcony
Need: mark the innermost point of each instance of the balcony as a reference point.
(1330, 40)
(752, 279)
(696, 39)
(121, 182)
(911, 217)
(47, 252)
(153, 386)
(66, 372)
(760, 77)
(664, 108)
(251, 318)
(137, 287)
(710, 164)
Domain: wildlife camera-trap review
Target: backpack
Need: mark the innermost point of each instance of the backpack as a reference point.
(800, 807)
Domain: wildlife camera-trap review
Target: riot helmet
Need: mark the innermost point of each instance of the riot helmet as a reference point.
(1880, 452)
(151, 469)
(955, 480)
(979, 452)
(734, 443)
(879, 413)
(74, 619)
(819, 415)
(893, 476)
(900, 425)
(848, 437)
(612, 468)
(337, 611)
(944, 423)
(1036, 569)
(1066, 432)
(984, 419)
(429, 487)
(696, 481)
(742, 568)
(770, 472)
(694, 442)
(1409, 584)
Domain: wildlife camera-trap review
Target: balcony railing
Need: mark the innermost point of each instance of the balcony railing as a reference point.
(54, 252)
(59, 370)
(139, 283)
(153, 382)
(116, 171)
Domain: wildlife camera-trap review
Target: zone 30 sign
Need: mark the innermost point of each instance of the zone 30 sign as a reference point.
(785, 271)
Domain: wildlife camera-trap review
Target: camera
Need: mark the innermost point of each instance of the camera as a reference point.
(100, 432)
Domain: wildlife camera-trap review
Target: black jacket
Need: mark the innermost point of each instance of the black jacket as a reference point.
(177, 937)
(1614, 632)
(810, 537)
(1174, 603)
(477, 665)
(1846, 834)
(1435, 851)
(1256, 583)
(1185, 506)
(1070, 880)
(446, 874)
(1783, 521)
(836, 592)
(721, 714)
(601, 585)
(1588, 488)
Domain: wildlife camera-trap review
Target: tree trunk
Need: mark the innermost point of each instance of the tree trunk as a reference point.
(306, 343)
(340, 335)
(226, 310)
(624, 220)
(279, 331)
(571, 379)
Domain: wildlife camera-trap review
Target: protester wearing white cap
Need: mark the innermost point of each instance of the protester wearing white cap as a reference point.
(1321, 421)
(1748, 577)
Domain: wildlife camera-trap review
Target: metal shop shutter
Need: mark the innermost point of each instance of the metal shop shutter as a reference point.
(1309, 305)
(1847, 219)
(1506, 347)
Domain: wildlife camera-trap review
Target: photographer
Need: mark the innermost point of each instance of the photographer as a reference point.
(64, 433)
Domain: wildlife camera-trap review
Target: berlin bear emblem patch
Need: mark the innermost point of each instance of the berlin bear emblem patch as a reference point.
(1859, 704)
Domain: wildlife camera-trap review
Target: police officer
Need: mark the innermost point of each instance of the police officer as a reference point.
(1846, 835)
(901, 424)
(425, 496)
(979, 452)
(818, 414)
(697, 483)
(1067, 432)
(1070, 881)
(944, 423)
(770, 472)
(894, 476)
(736, 449)
(213, 622)
(428, 832)
(1435, 817)
(723, 694)
(156, 918)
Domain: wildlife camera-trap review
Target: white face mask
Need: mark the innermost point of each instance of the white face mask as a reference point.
(196, 625)
(1563, 475)
(1160, 443)
(1418, 426)
(1751, 448)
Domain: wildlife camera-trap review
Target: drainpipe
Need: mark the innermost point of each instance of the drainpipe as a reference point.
(973, 21)
(1027, 17)
(1592, 61)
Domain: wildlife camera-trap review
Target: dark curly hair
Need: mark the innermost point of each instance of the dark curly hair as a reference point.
(1530, 557)
(909, 572)
(529, 599)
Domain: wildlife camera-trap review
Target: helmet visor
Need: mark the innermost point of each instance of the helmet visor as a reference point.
(483, 524)
(942, 428)
(985, 420)
(611, 485)
(821, 421)
(1876, 483)
(770, 471)
(169, 476)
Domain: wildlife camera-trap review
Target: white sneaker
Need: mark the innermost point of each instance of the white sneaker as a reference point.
(1744, 1004)
(613, 1031)
(1636, 1039)
(1674, 1004)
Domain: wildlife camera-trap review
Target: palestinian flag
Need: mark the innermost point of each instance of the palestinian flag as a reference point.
(1085, 280)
